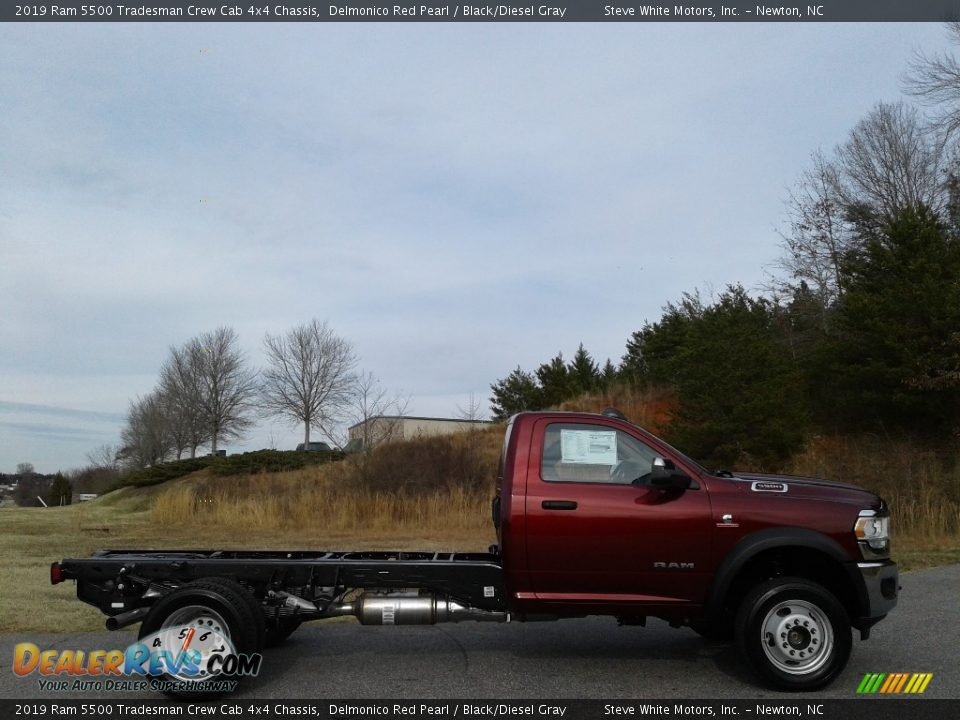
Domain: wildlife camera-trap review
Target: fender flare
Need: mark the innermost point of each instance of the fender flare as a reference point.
(760, 541)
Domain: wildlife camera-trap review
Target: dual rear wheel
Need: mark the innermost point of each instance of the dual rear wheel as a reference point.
(203, 619)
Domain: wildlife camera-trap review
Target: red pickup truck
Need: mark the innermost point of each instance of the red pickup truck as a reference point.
(594, 516)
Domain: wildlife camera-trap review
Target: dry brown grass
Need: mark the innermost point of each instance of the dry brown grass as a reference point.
(444, 483)
(922, 486)
(303, 501)
(649, 408)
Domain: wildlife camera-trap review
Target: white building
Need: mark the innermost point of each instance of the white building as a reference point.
(386, 428)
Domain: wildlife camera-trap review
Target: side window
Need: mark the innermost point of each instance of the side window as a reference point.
(576, 452)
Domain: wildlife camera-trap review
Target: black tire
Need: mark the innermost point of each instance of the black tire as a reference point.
(281, 630)
(794, 633)
(222, 603)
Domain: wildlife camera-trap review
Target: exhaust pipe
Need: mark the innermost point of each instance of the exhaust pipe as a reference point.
(295, 602)
(409, 609)
(126, 618)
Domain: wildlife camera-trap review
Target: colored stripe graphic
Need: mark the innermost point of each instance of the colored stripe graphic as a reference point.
(894, 683)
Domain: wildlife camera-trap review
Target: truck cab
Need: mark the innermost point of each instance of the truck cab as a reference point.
(595, 515)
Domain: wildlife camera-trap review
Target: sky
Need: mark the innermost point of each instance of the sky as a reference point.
(455, 200)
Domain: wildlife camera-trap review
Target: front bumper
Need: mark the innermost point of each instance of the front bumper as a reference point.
(878, 585)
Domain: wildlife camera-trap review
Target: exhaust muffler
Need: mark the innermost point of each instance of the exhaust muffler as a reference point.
(412, 609)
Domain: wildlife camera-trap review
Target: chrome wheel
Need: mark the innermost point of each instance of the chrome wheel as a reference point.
(797, 637)
(794, 632)
(199, 617)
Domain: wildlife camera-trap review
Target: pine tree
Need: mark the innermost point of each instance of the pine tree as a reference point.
(61, 491)
(515, 393)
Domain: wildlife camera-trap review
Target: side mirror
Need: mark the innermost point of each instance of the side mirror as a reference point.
(664, 475)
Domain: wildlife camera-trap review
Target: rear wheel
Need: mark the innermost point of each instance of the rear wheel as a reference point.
(194, 623)
(794, 633)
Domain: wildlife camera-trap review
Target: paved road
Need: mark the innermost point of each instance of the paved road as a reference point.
(590, 658)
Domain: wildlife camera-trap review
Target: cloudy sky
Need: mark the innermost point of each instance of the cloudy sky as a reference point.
(454, 199)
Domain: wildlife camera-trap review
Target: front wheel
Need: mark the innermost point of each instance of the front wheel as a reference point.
(794, 633)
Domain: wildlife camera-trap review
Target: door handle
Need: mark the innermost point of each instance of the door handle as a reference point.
(558, 505)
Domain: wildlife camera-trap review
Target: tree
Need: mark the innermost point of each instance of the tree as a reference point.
(515, 393)
(889, 162)
(226, 388)
(935, 81)
(802, 321)
(652, 351)
(369, 400)
(472, 411)
(556, 382)
(309, 377)
(609, 374)
(25, 469)
(739, 397)
(29, 489)
(103, 457)
(892, 361)
(181, 388)
(146, 434)
(61, 491)
(817, 237)
(583, 372)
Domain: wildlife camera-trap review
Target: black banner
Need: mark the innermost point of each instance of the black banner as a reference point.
(439, 11)
(801, 706)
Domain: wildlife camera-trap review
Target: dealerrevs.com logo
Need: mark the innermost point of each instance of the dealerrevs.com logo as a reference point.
(894, 683)
(178, 658)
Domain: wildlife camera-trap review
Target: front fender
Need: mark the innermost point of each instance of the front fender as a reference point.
(761, 541)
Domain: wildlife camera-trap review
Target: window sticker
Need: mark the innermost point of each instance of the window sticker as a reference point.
(588, 447)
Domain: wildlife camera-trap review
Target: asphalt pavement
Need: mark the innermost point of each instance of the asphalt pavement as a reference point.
(588, 658)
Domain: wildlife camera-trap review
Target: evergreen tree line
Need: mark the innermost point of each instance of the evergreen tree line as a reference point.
(858, 330)
(550, 384)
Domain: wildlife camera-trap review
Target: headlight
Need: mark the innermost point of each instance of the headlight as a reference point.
(873, 531)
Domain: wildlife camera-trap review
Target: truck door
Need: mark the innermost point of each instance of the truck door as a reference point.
(598, 533)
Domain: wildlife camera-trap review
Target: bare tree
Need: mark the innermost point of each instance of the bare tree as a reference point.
(25, 469)
(101, 473)
(818, 235)
(935, 81)
(145, 437)
(472, 411)
(375, 412)
(182, 388)
(889, 162)
(103, 457)
(309, 377)
(225, 386)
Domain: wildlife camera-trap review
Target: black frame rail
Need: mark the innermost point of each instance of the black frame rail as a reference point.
(116, 580)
